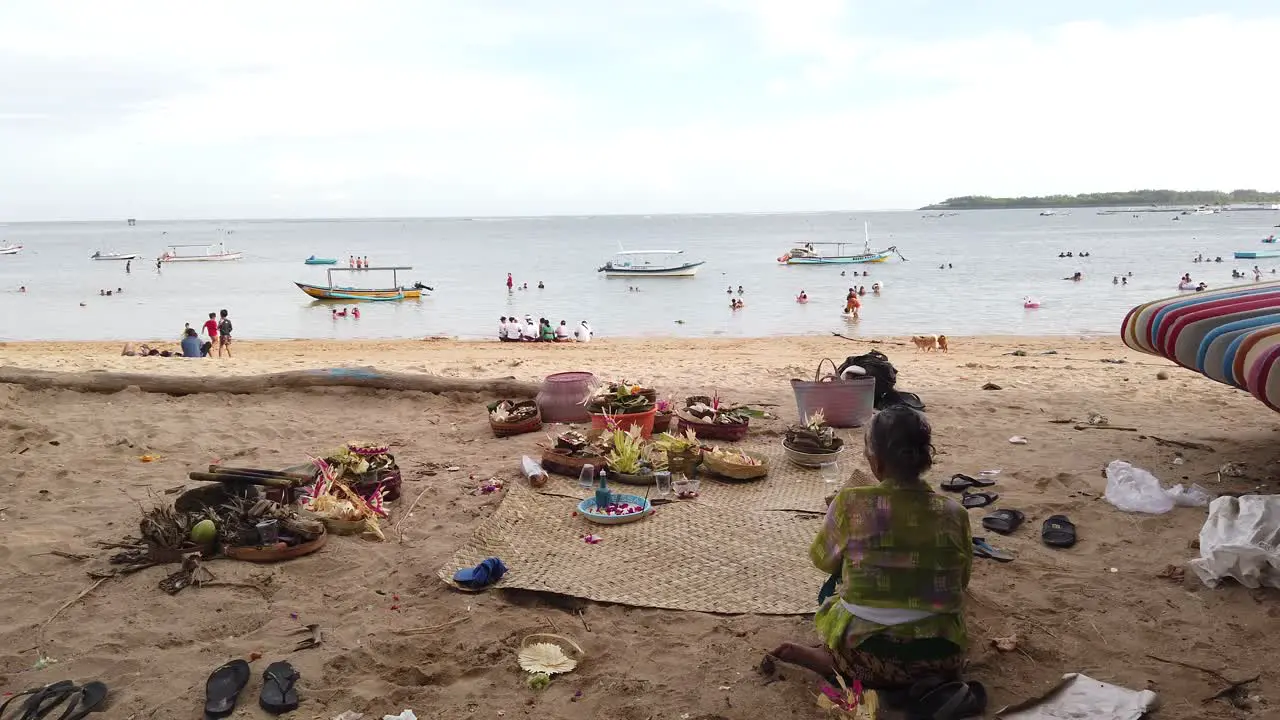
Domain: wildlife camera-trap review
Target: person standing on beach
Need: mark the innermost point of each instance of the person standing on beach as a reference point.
(211, 329)
(510, 282)
(224, 334)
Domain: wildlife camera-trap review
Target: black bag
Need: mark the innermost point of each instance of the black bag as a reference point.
(877, 365)
(224, 327)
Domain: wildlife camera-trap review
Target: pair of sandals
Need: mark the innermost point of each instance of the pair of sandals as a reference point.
(223, 687)
(42, 701)
(963, 484)
(1057, 531)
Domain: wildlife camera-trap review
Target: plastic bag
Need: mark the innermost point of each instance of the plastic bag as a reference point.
(1241, 539)
(1135, 490)
(533, 471)
(1194, 496)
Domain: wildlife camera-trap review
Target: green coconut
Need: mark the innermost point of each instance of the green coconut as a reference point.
(204, 532)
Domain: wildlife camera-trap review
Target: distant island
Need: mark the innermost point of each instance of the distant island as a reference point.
(1131, 198)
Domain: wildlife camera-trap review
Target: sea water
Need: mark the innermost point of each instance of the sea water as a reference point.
(965, 274)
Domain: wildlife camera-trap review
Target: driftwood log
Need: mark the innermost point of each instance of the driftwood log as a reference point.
(358, 377)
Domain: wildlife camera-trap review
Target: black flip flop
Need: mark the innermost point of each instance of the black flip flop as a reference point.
(978, 499)
(1003, 521)
(88, 698)
(39, 706)
(984, 549)
(940, 701)
(1058, 531)
(961, 482)
(278, 694)
(223, 687)
(36, 697)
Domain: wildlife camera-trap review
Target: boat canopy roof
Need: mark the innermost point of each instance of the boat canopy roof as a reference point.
(650, 252)
(389, 267)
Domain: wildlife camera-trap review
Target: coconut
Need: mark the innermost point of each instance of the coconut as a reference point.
(204, 532)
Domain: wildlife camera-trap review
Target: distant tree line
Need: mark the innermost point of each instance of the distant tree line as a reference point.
(1110, 199)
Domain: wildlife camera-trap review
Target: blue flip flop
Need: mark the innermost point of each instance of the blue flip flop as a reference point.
(983, 549)
(489, 571)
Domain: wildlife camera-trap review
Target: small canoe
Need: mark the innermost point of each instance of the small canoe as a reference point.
(1256, 254)
(313, 260)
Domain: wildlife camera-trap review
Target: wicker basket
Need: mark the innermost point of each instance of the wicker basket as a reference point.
(569, 465)
(731, 432)
(507, 429)
(845, 403)
(733, 471)
(811, 460)
(684, 462)
(662, 421)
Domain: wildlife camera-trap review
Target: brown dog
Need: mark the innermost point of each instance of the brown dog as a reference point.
(942, 343)
(925, 343)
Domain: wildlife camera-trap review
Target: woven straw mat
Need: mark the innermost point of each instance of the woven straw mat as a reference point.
(687, 556)
(787, 487)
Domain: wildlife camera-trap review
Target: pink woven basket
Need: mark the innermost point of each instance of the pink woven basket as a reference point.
(845, 403)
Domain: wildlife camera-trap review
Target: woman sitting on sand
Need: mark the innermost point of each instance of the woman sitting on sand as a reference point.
(904, 554)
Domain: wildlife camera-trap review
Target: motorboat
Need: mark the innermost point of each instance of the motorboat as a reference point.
(651, 263)
(348, 293)
(216, 252)
(99, 255)
(313, 260)
(10, 249)
(1256, 254)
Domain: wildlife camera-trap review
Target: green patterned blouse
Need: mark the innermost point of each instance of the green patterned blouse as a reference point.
(898, 546)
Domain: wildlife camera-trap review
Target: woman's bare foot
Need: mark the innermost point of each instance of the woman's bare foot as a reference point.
(818, 659)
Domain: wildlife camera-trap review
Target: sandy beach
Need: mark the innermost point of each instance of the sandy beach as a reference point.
(396, 637)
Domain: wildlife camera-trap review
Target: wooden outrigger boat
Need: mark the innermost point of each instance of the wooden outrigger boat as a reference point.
(810, 255)
(217, 252)
(344, 293)
(10, 249)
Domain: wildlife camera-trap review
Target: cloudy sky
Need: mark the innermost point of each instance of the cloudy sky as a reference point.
(519, 107)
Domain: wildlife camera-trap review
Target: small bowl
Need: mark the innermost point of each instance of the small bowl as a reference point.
(810, 460)
(587, 509)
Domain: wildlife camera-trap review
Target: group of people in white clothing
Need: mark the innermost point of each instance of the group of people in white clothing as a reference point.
(512, 329)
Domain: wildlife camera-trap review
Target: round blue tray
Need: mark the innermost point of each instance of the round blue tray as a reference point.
(587, 508)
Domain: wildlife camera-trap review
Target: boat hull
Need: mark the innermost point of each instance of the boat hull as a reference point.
(223, 257)
(320, 261)
(321, 292)
(840, 259)
(686, 270)
(126, 256)
(10, 249)
(1256, 254)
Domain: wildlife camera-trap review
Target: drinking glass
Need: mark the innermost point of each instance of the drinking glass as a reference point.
(662, 482)
(831, 473)
(587, 478)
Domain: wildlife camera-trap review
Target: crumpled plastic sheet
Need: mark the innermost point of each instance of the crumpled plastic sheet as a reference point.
(1241, 540)
(1080, 696)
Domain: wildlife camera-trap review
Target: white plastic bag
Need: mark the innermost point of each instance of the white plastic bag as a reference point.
(1194, 496)
(1241, 539)
(1135, 490)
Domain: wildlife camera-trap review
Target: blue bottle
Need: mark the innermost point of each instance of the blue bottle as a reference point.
(604, 498)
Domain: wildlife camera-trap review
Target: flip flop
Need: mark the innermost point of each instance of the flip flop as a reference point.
(278, 692)
(978, 499)
(35, 697)
(983, 549)
(1058, 531)
(1003, 521)
(489, 571)
(933, 700)
(960, 482)
(41, 704)
(87, 699)
(223, 688)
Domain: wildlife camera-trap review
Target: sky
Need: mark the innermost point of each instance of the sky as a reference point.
(276, 109)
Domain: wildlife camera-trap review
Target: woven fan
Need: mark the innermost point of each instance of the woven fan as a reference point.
(550, 654)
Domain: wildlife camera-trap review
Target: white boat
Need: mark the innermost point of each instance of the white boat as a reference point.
(212, 253)
(1205, 211)
(1048, 213)
(650, 263)
(10, 249)
(99, 255)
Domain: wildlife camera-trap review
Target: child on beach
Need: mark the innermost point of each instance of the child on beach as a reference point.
(224, 334)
